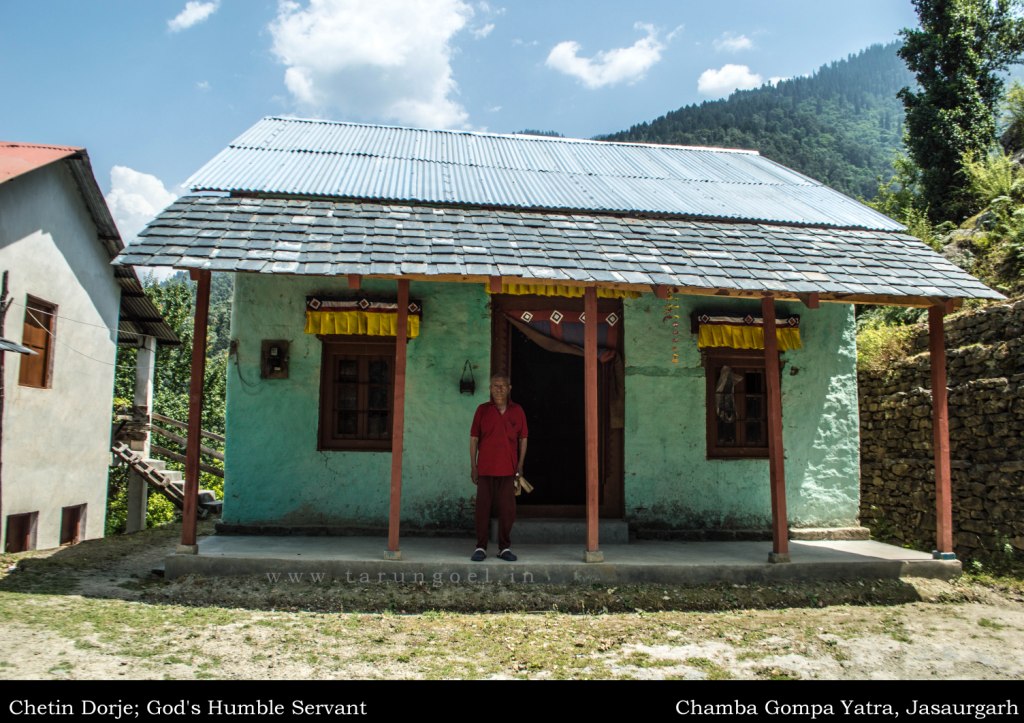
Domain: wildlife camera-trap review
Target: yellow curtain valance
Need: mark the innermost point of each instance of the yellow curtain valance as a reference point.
(745, 332)
(571, 292)
(359, 316)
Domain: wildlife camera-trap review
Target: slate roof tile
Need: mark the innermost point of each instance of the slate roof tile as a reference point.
(372, 238)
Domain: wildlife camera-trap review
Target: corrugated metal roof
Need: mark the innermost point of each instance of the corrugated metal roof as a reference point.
(138, 316)
(324, 158)
(19, 158)
(338, 237)
(8, 345)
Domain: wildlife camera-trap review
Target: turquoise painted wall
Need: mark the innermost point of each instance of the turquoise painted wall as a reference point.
(669, 480)
(274, 473)
(276, 476)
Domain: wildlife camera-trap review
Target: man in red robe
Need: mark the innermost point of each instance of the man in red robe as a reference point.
(497, 448)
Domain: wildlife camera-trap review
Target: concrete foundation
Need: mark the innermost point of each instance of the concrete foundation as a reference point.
(559, 531)
(427, 560)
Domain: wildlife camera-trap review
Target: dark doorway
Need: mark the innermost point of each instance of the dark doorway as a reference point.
(549, 386)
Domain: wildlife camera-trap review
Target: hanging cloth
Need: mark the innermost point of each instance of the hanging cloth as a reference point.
(359, 316)
(744, 332)
(561, 332)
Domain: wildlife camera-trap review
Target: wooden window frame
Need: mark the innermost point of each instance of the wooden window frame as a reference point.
(27, 363)
(363, 348)
(72, 524)
(25, 525)
(713, 360)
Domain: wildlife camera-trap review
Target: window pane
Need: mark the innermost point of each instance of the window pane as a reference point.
(756, 436)
(753, 382)
(379, 371)
(379, 398)
(726, 433)
(377, 425)
(347, 423)
(755, 407)
(347, 370)
(347, 396)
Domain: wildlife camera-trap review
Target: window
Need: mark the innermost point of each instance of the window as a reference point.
(71, 520)
(737, 404)
(356, 383)
(37, 335)
(21, 532)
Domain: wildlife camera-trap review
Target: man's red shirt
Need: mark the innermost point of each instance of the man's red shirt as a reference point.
(499, 435)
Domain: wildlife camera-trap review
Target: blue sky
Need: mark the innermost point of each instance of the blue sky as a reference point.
(154, 88)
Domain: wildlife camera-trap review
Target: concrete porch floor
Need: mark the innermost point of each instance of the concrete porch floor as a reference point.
(361, 560)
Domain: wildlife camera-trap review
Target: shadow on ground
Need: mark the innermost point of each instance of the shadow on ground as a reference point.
(122, 567)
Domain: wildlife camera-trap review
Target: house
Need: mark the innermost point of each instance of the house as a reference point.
(380, 272)
(71, 308)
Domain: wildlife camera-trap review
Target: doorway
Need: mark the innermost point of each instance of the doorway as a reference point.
(549, 384)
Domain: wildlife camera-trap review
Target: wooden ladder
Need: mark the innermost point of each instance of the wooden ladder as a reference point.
(150, 474)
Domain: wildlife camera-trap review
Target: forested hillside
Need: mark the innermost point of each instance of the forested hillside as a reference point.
(842, 126)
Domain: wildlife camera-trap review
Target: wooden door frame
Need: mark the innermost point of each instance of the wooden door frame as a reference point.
(611, 441)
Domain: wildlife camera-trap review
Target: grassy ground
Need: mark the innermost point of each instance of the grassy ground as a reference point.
(100, 612)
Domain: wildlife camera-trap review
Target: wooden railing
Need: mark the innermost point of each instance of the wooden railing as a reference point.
(163, 452)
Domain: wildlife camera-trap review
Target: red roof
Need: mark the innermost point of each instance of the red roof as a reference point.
(19, 158)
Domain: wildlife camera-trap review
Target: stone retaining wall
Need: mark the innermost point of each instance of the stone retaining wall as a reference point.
(985, 362)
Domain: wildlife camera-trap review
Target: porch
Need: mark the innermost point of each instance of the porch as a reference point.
(358, 560)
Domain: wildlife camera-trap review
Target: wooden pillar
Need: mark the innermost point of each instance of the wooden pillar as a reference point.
(398, 421)
(592, 553)
(940, 436)
(776, 453)
(138, 490)
(195, 412)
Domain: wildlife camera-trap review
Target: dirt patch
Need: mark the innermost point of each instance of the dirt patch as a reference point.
(99, 612)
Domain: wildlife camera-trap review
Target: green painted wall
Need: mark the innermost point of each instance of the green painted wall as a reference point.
(274, 473)
(670, 482)
(276, 476)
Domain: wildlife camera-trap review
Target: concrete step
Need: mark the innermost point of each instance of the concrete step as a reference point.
(560, 531)
(157, 464)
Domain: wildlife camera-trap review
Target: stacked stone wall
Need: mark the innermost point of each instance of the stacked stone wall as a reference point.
(985, 376)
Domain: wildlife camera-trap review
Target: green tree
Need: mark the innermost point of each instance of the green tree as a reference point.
(957, 55)
(175, 298)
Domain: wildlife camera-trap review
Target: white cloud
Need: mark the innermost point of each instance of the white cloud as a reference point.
(608, 67)
(203, 85)
(732, 43)
(135, 198)
(382, 60)
(726, 79)
(483, 32)
(194, 13)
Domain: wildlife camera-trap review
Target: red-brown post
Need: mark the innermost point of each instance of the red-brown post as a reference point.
(940, 435)
(592, 554)
(195, 411)
(398, 420)
(776, 454)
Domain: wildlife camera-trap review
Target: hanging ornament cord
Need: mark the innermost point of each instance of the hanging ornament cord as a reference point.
(672, 314)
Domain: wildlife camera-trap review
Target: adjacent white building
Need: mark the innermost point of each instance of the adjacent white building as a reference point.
(69, 305)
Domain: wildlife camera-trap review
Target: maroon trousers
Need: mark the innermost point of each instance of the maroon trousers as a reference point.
(500, 492)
